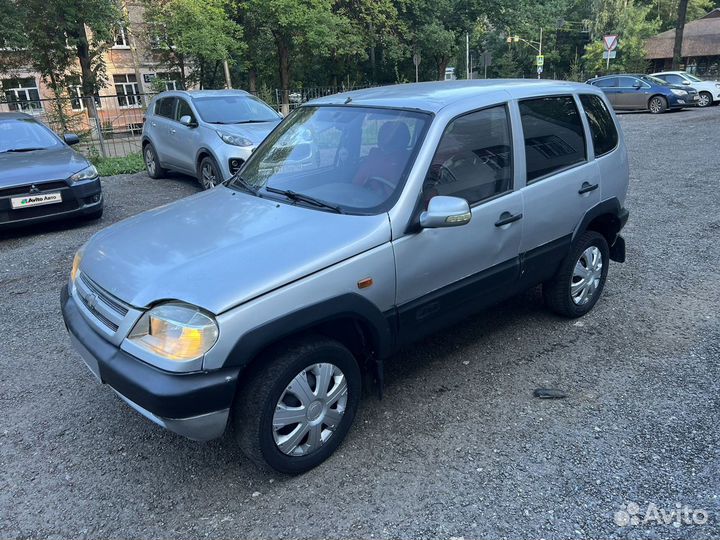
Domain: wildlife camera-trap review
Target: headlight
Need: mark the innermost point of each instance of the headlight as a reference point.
(76, 264)
(235, 140)
(678, 92)
(175, 331)
(87, 173)
(717, 86)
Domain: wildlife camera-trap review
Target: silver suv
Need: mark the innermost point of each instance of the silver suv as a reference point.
(264, 301)
(208, 134)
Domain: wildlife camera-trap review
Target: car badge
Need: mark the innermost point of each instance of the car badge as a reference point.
(34, 190)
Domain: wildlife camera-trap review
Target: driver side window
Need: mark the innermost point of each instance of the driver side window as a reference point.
(474, 157)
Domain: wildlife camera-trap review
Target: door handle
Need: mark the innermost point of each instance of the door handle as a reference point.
(587, 187)
(172, 131)
(506, 218)
(153, 124)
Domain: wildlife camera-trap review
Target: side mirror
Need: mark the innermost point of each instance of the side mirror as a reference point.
(187, 120)
(637, 85)
(686, 83)
(71, 138)
(445, 212)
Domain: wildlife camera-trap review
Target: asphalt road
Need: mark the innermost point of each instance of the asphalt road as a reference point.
(459, 446)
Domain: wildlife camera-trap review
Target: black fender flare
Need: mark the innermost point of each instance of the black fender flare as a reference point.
(350, 305)
(610, 206)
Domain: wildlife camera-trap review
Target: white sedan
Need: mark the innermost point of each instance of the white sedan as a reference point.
(708, 91)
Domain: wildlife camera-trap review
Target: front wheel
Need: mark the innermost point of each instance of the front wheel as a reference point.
(294, 411)
(657, 105)
(579, 282)
(210, 175)
(705, 99)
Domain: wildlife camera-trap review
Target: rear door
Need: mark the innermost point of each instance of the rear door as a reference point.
(561, 182)
(161, 123)
(609, 86)
(445, 273)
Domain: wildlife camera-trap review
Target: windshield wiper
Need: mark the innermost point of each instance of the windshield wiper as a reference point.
(252, 121)
(294, 196)
(23, 149)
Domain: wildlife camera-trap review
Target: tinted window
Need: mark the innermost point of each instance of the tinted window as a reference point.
(234, 109)
(627, 82)
(165, 107)
(184, 109)
(606, 83)
(602, 127)
(554, 135)
(474, 157)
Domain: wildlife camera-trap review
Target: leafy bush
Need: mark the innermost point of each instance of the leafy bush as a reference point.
(109, 166)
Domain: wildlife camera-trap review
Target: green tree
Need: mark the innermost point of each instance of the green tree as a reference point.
(193, 37)
(309, 28)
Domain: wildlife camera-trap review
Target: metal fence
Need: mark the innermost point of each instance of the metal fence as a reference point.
(114, 127)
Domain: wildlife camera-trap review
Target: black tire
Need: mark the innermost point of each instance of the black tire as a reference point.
(258, 398)
(214, 178)
(707, 101)
(657, 105)
(152, 163)
(557, 291)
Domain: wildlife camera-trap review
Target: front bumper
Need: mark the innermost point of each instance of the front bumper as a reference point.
(78, 200)
(195, 405)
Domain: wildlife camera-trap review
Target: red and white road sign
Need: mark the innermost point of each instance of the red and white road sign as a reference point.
(610, 42)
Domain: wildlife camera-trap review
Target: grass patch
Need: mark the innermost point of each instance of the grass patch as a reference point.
(109, 166)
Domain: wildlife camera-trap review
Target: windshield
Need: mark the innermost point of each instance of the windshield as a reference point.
(353, 158)
(654, 80)
(693, 78)
(234, 110)
(24, 135)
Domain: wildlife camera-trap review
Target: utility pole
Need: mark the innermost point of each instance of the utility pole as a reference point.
(540, 50)
(467, 55)
(228, 81)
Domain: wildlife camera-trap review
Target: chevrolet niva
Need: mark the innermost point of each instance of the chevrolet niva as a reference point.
(364, 221)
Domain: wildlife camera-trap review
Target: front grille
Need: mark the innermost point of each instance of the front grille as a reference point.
(104, 307)
(25, 190)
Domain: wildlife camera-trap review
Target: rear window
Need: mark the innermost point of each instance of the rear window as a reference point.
(165, 107)
(554, 135)
(602, 128)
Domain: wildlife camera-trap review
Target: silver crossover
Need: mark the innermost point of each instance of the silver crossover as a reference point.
(365, 221)
(208, 134)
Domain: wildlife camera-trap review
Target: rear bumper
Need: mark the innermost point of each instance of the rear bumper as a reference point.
(77, 201)
(195, 405)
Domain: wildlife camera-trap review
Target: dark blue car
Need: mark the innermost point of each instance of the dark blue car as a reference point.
(41, 177)
(645, 93)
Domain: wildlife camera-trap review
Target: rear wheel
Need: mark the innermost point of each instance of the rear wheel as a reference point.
(579, 282)
(295, 411)
(152, 164)
(657, 105)
(705, 99)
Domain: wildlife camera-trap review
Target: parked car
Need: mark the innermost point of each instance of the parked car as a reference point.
(204, 133)
(41, 177)
(643, 92)
(708, 91)
(265, 300)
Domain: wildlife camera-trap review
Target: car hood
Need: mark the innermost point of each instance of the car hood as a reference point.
(254, 132)
(21, 168)
(222, 247)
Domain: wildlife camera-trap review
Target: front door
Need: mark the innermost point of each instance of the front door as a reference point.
(633, 93)
(445, 273)
(185, 139)
(561, 183)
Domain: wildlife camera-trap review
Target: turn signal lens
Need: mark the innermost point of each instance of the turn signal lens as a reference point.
(175, 331)
(76, 265)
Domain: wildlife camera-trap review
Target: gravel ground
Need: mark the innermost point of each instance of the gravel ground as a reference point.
(459, 447)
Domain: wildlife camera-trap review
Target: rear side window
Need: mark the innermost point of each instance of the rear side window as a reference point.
(474, 157)
(602, 128)
(165, 107)
(610, 82)
(554, 135)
